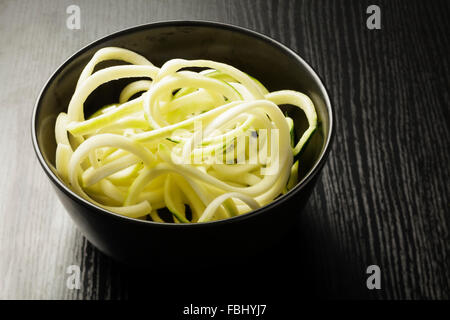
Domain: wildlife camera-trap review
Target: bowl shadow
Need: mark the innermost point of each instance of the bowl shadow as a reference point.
(303, 264)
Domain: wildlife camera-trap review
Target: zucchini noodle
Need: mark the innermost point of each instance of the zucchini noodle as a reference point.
(180, 146)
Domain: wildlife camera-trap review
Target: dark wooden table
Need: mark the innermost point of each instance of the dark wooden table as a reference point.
(383, 197)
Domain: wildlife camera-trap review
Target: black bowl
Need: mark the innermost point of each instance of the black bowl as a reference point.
(138, 242)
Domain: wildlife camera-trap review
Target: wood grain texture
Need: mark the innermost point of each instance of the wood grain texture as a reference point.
(383, 195)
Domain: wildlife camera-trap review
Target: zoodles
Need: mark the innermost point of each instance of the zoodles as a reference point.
(205, 145)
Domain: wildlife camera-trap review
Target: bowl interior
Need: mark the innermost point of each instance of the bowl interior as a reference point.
(274, 65)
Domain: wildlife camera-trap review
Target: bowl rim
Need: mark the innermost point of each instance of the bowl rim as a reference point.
(188, 23)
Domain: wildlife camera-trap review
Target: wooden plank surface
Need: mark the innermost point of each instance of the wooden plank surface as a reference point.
(382, 198)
